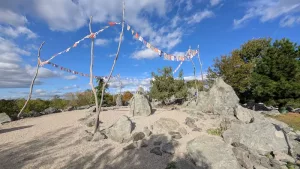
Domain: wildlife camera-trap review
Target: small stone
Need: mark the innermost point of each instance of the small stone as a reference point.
(157, 143)
(138, 136)
(99, 136)
(197, 129)
(175, 135)
(156, 151)
(182, 131)
(168, 148)
(142, 143)
(147, 131)
(130, 146)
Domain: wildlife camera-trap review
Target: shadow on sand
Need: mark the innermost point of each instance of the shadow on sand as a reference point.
(55, 150)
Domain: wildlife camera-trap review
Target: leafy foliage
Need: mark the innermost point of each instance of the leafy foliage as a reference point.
(127, 96)
(262, 71)
(164, 85)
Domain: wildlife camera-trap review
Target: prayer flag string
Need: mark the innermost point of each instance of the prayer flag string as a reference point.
(92, 35)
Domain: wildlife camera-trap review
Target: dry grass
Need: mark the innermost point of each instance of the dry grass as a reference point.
(292, 119)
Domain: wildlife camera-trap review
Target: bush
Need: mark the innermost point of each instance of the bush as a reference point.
(164, 86)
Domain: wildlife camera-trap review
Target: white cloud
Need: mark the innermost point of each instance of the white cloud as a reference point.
(129, 84)
(199, 16)
(117, 39)
(11, 18)
(16, 32)
(71, 77)
(13, 74)
(267, 10)
(144, 54)
(179, 53)
(101, 42)
(289, 21)
(214, 2)
(71, 87)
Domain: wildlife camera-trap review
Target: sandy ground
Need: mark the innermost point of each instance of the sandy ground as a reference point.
(54, 141)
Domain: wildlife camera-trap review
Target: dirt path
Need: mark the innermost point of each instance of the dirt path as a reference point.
(54, 141)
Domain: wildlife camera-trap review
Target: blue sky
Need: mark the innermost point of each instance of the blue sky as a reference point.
(217, 26)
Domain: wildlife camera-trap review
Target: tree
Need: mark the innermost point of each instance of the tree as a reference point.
(276, 78)
(164, 85)
(100, 82)
(127, 96)
(262, 71)
(234, 71)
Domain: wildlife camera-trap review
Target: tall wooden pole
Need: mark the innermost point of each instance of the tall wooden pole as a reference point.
(91, 67)
(200, 68)
(33, 80)
(111, 71)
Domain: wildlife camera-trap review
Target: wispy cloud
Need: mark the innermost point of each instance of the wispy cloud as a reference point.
(267, 10)
(101, 42)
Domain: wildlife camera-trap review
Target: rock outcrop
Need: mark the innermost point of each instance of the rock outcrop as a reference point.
(220, 99)
(139, 105)
(4, 118)
(261, 136)
(165, 125)
(243, 114)
(211, 152)
(121, 130)
(119, 100)
(50, 110)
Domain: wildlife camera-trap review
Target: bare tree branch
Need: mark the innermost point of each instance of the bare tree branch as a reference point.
(33, 80)
(111, 71)
(91, 65)
(200, 68)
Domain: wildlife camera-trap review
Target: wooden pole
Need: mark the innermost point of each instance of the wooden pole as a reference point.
(111, 71)
(91, 66)
(200, 68)
(195, 79)
(33, 80)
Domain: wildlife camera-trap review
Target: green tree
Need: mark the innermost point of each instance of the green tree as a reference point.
(262, 71)
(276, 78)
(234, 71)
(164, 85)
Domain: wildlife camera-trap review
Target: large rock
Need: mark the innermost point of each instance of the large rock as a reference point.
(83, 107)
(243, 114)
(211, 152)
(4, 118)
(165, 125)
(50, 110)
(139, 105)
(121, 130)
(220, 99)
(261, 136)
(119, 100)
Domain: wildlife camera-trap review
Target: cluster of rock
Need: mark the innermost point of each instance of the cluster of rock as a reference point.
(250, 141)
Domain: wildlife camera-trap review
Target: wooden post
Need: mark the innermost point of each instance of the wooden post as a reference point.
(33, 80)
(200, 68)
(91, 67)
(195, 79)
(111, 71)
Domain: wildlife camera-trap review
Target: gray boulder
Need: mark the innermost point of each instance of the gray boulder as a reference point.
(220, 99)
(243, 114)
(83, 107)
(165, 125)
(119, 100)
(138, 136)
(139, 105)
(4, 118)
(70, 108)
(168, 148)
(156, 151)
(211, 152)
(261, 136)
(50, 110)
(121, 130)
